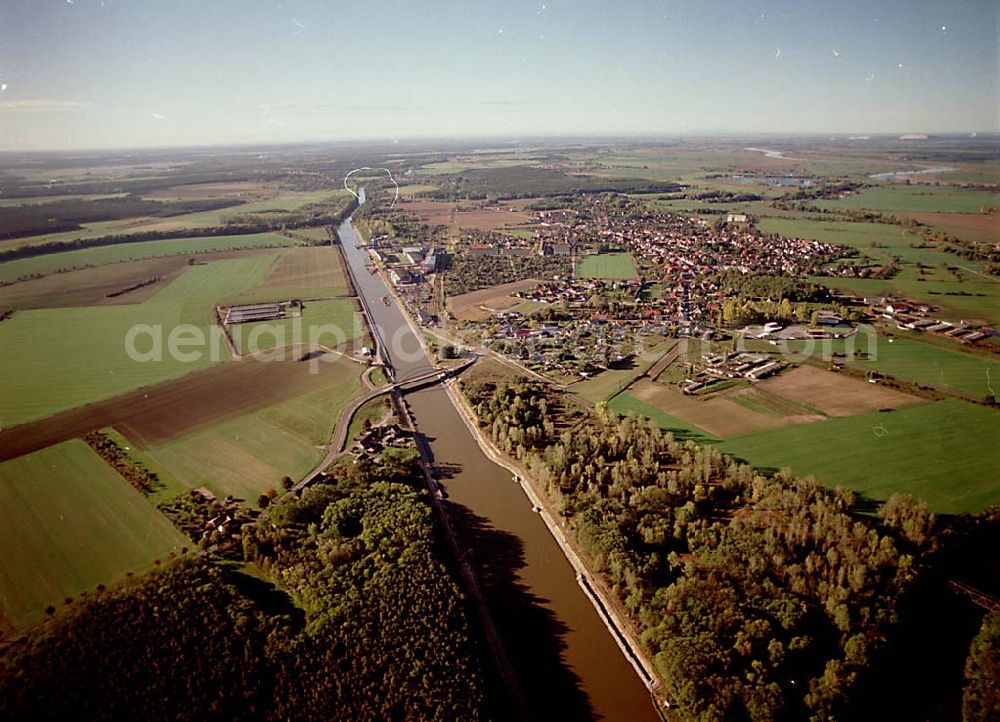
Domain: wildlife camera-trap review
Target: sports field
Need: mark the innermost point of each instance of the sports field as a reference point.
(935, 451)
(102, 255)
(68, 522)
(56, 359)
(607, 265)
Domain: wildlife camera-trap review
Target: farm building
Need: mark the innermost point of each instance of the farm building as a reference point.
(254, 312)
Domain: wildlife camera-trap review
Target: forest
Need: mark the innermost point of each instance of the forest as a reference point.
(529, 182)
(67, 215)
(757, 597)
(314, 214)
(342, 610)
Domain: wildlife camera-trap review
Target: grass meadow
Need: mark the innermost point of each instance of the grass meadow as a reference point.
(56, 359)
(607, 265)
(104, 255)
(246, 455)
(624, 403)
(68, 522)
(900, 197)
(935, 451)
(918, 361)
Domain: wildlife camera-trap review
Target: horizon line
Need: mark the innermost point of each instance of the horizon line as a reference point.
(858, 136)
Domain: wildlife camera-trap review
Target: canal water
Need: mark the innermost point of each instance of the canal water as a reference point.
(567, 663)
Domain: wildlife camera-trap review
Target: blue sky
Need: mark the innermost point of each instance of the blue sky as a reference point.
(116, 73)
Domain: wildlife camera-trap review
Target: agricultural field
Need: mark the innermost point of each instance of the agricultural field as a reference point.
(9, 202)
(461, 164)
(415, 189)
(469, 215)
(625, 403)
(56, 359)
(104, 255)
(608, 383)
(719, 414)
(87, 230)
(799, 395)
(607, 265)
(236, 190)
(900, 197)
(157, 414)
(68, 522)
(967, 226)
(283, 201)
(917, 361)
(303, 273)
(959, 286)
(872, 239)
(297, 272)
(832, 394)
(935, 451)
(481, 304)
(247, 454)
(335, 321)
(92, 286)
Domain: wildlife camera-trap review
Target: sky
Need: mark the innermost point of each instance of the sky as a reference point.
(78, 74)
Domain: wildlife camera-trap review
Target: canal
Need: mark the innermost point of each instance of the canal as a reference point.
(566, 661)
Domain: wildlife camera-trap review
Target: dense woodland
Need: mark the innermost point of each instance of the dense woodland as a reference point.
(758, 598)
(364, 622)
(529, 182)
(981, 702)
(67, 215)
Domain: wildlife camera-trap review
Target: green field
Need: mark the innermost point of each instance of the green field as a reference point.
(609, 382)
(625, 403)
(959, 286)
(936, 366)
(68, 522)
(373, 411)
(289, 201)
(899, 197)
(919, 361)
(607, 265)
(873, 239)
(336, 321)
(102, 255)
(938, 452)
(446, 167)
(246, 455)
(302, 273)
(55, 359)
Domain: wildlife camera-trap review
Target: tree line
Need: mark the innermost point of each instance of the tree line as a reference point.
(757, 597)
(363, 621)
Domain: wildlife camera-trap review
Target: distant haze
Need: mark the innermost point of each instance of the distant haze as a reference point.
(120, 73)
